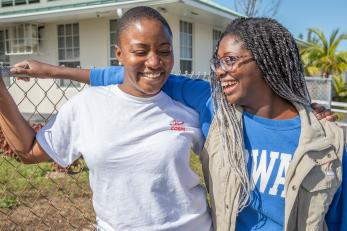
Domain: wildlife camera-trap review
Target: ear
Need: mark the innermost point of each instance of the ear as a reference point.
(119, 54)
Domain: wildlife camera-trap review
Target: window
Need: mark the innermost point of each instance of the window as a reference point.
(5, 3)
(4, 59)
(186, 46)
(22, 39)
(113, 36)
(68, 49)
(215, 39)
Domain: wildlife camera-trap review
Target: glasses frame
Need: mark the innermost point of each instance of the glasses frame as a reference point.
(220, 63)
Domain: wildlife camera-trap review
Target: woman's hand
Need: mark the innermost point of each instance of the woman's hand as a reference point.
(33, 68)
(321, 112)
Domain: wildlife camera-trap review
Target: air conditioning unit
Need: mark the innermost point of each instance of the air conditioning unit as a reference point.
(21, 39)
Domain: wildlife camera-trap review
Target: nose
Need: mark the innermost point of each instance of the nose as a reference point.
(153, 61)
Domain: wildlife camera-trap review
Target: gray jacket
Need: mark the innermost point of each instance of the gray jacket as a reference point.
(312, 178)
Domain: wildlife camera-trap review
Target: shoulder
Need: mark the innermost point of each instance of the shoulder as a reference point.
(322, 129)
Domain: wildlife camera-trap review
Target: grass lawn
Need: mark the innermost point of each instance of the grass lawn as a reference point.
(38, 196)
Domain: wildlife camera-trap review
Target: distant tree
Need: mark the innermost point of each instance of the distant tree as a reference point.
(321, 55)
(253, 8)
(340, 87)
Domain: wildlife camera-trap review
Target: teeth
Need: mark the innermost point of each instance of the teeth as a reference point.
(152, 75)
(228, 83)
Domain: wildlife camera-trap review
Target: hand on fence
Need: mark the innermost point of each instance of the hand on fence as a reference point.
(32, 69)
(321, 112)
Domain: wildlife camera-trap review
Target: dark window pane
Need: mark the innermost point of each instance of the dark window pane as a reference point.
(76, 29)
(68, 29)
(61, 54)
(68, 42)
(76, 41)
(61, 30)
(5, 3)
(19, 2)
(61, 42)
(114, 62)
(185, 66)
(113, 25)
(69, 54)
(76, 53)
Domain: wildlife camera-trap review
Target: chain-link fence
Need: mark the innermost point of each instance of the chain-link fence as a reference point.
(45, 196)
(320, 90)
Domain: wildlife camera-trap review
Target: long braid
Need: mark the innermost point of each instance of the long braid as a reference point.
(276, 54)
(232, 137)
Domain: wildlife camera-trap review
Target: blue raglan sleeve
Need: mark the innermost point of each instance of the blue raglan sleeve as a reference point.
(106, 76)
(192, 93)
(336, 218)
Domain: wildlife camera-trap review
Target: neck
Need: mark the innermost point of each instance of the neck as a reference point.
(272, 107)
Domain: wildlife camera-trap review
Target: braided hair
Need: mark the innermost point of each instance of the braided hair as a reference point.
(276, 54)
(136, 14)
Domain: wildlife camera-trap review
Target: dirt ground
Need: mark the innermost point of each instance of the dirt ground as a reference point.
(56, 214)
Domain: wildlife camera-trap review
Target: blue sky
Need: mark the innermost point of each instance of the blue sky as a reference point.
(298, 15)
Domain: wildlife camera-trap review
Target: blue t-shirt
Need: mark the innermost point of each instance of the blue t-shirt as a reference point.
(196, 94)
(270, 145)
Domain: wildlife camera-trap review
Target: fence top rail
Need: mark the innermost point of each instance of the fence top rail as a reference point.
(339, 104)
(317, 78)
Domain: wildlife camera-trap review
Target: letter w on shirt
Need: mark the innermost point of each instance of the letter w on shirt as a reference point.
(263, 171)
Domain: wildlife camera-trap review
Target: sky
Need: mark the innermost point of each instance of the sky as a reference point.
(298, 15)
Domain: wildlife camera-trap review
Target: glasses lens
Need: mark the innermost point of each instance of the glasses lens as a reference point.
(228, 62)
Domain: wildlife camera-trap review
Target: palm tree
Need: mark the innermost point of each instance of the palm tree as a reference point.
(321, 54)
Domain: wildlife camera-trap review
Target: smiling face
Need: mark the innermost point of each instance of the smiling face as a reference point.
(145, 50)
(243, 84)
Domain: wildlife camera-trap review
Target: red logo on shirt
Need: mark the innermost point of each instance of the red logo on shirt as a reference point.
(177, 125)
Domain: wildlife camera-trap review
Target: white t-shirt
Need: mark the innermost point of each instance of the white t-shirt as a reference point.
(137, 151)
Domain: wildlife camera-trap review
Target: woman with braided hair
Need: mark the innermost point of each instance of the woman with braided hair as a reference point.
(268, 162)
(293, 179)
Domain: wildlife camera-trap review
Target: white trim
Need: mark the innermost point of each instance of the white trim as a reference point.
(212, 8)
(84, 9)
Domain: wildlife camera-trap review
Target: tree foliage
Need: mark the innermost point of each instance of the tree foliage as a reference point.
(321, 55)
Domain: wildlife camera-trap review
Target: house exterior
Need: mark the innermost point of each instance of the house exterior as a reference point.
(82, 33)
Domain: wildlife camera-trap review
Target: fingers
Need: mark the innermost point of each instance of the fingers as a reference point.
(24, 64)
(332, 118)
(317, 108)
(20, 70)
(328, 115)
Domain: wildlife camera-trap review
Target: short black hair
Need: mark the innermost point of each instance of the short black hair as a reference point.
(138, 13)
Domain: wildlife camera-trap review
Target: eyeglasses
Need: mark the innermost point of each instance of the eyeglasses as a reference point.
(227, 63)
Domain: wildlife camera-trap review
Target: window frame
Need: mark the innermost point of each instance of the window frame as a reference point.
(186, 50)
(9, 3)
(65, 36)
(112, 43)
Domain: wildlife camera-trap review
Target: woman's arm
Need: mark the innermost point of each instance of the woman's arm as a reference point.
(37, 69)
(17, 131)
